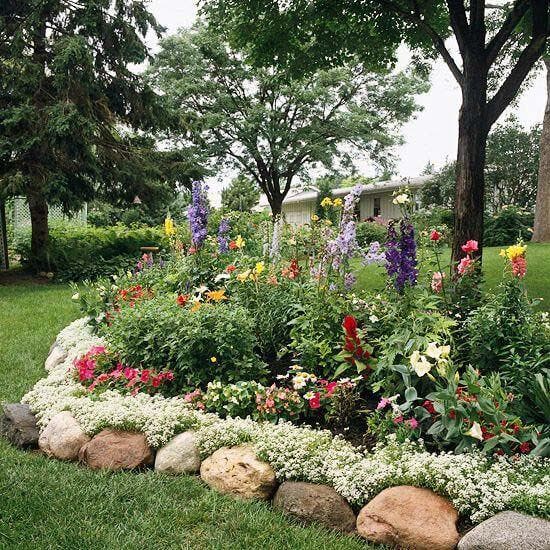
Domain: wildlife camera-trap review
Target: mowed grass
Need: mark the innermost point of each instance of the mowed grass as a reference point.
(46, 504)
(537, 280)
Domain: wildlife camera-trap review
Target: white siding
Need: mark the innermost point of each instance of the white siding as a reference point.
(298, 213)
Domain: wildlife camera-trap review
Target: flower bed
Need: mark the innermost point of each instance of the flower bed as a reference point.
(477, 485)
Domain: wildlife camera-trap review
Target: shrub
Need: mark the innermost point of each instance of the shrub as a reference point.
(213, 342)
(507, 226)
(77, 253)
(368, 232)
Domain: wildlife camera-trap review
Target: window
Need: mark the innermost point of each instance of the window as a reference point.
(376, 210)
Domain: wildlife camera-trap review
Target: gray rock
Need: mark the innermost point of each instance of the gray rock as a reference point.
(508, 531)
(18, 426)
(179, 456)
(310, 502)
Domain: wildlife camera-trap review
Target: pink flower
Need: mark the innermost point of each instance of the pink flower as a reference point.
(470, 246)
(383, 403)
(330, 387)
(130, 373)
(435, 235)
(315, 401)
(145, 374)
(412, 423)
(437, 281)
(398, 420)
(519, 266)
(97, 350)
(465, 265)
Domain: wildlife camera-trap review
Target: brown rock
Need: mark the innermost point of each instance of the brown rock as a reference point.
(117, 450)
(238, 472)
(315, 503)
(409, 517)
(62, 438)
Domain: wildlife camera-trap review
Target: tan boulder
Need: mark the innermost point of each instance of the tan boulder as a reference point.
(237, 471)
(62, 438)
(56, 356)
(409, 517)
(117, 450)
(315, 503)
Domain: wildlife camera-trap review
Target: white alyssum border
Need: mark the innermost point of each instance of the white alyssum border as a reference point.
(478, 486)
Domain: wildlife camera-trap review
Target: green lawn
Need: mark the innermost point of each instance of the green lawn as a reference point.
(45, 504)
(537, 280)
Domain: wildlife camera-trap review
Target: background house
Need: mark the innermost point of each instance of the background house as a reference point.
(376, 200)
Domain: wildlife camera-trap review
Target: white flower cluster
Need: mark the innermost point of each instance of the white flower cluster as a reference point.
(477, 485)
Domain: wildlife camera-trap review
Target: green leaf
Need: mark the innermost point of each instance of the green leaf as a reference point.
(410, 394)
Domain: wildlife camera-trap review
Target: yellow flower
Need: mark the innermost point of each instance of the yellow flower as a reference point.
(216, 295)
(315, 218)
(243, 276)
(514, 251)
(326, 202)
(213, 359)
(196, 306)
(169, 228)
(239, 242)
(260, 266)
(337, 202)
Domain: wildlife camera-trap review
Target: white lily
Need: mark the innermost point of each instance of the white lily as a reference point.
(420, 364)
(221, 277)
(475, 431)
(402, 198)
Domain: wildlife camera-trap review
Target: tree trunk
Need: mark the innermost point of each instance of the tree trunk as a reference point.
(470, 181)
(39, 224)
(541, 230)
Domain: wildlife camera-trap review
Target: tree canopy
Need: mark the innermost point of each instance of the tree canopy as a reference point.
(242, 194)
(272, 127)
(66, 89)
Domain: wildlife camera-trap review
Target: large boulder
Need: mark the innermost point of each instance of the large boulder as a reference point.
(237, 471)
(117, 450)
(315, 503)
(409, 517)
(508, 531)
(179, 456)
(63, 437)
(56, 356)
(18, 426)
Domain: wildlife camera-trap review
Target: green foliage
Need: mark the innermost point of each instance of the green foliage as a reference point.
(368, 232)
(505, 335)
(508, 225)
(242, 194)
(213, 342)
(77, 253)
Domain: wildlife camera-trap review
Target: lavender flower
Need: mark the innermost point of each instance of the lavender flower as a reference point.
(275, 250)
(198, 213)
(349, 280)
(401, 255)
(223, 236)
(374, 255)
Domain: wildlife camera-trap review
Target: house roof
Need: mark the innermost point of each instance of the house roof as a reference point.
(368, 189)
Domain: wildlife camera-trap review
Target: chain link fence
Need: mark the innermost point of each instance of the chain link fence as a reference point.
(21, 215)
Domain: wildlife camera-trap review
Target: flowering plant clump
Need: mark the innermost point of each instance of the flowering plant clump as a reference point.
(99, 370)
(515, 254)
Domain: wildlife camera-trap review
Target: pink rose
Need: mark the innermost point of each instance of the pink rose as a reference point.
(470, 246)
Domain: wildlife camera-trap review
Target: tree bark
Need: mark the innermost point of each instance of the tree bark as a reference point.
(472, 139)
(39, 226)
(541, 229)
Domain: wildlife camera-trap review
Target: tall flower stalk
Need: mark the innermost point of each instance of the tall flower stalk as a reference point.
(223, 236)
(198, 213)
(401, 255)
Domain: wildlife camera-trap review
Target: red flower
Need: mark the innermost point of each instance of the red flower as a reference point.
(435, 235)
(525, 447)
(156, 381)
(230, 268)
(470, 246)
(232, 245)
(145, 373)
(350, 325)
(429, 406)
(315, 401)
(330, 387)
(452, 415)
(519, 267)
(182, 299)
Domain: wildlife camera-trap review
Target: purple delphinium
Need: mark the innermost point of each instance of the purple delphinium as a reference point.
(198, 213)
(223, 236)
(401, 255)
(349, 280)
